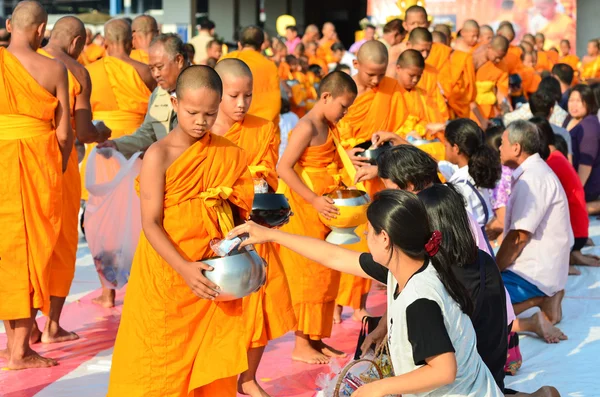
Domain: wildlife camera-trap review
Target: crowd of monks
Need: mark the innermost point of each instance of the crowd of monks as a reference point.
(174, 339)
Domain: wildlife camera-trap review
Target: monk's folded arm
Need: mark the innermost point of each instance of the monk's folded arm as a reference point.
(298, 142)
(64, 132)
(329, 255)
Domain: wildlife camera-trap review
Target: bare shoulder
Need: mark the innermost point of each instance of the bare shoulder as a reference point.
(79, 71)
(157, 156)
(49, 72)
(144, 72)
(305, 127)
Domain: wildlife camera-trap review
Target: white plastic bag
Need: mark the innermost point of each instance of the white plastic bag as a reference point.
(112, 214)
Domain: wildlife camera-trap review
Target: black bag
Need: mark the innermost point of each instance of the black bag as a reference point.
(368, 325)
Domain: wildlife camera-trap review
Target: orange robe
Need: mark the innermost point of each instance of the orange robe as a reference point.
(464, 90)
(325, 52)
(31, 199)
(571, 60)
(140, 56)
(170, 342)
(591, 70)
(93, 52)
(284, 71)
(439, 58)
(543, 62)
(436, 110)
(63, 259)
(530, 80)
(268, 313)
(119, 98)
(266, 93)
(313, 286)
(319, 61)
(552, 56)
(490, 80)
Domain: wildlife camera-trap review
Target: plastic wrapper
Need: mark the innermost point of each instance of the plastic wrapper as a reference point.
(260, 186)
(112, 215)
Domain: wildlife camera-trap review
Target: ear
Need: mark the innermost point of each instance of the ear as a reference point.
(41, 29)
(8, 26)
(386, 239)
(355, 63)
(326, 96)
(175, 104)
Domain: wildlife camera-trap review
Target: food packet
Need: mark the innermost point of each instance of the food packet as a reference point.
(225, 247)
(260, 186)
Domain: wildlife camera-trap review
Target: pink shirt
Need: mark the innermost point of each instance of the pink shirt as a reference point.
(291, 45)
(538, 205)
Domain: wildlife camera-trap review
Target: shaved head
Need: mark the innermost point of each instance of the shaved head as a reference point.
(416, 10)
(66, 29)
(410, 58)
(252, 36)
(311, 29)
(507, 31)
(500, 43)
(528, 47)
(420, 35)
(486, 29)
(443, 28)
(338, 83)
(28, 16)
(439, 37)
(117, 31)
(232, 67)
(471, 24)
(144, 24)
(529, 38)
(373, 51)
(196, 77)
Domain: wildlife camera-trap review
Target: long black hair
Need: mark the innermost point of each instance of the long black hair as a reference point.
(587, 97)
(493, 137)
(484, 163)
(404, 218)
(546, 136)
(408, 166)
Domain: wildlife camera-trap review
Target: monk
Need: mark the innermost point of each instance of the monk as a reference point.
(313, 57)
(566, 57)
(393, 36)
(144, 28)
(528, 38)
(544, 61)
(461, 100)
(439, 37)
(530, 78)
(491, 82)
(590, 64)
(329, 39)
(266, 93)
(214, 52)
(269, 312)
(467, 37)
(92, 51)
(420, 39)
(36, 143)
(311, 33)
(511, 63)
(486, 34)
(174, 339)
(409, 69)
(446, 31)
(120, 94)
(560, 25)
(311, 166)
(66, 43)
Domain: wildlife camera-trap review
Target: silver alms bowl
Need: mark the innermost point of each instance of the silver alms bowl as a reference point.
(239, 274)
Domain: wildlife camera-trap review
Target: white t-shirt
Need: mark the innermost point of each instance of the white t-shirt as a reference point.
(424, 321)
(287, 122)
(538, 204)
(476, 205)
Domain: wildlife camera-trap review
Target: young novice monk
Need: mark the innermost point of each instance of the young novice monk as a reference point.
(268, 313)
(311, 167)
(174, 339)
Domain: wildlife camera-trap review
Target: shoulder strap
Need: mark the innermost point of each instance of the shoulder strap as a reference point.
(480, 197)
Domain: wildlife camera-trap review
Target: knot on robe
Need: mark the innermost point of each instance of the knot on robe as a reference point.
(485, 93)
(216, 197)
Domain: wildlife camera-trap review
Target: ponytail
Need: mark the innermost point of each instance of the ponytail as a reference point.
(484, 162)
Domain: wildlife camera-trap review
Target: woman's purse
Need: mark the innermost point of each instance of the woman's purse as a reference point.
(368, 325)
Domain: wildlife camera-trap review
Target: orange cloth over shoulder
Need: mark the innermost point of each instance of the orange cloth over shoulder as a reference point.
(266, 94)
(63, 259)
(31, 199)
(436, 110)
(325, 51)
(312, 60)
(490, 80)
(140, 56)
(439, 58)
(285, 73)
(170, 342)
(119, 98)
(93, 52)
(464, 90)
(511, 63)
(591, 70)
(268, 313)
(530, 80)
(552, 56)
(543, 62)
(571, 60)
(313, 286)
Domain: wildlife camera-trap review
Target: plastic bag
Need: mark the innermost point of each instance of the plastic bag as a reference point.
(112, 217)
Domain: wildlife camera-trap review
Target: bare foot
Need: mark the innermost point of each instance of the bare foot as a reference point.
(546, 391)
(573, 271)
(545, 330)
(359, 314)
(552, 307)
(252, 388)
(326, 349)
(36, 334)
(309, 355)
(106, 299)
(578, 258)
(4, 354)
(30, 360)
(337, 314)
(61, 335)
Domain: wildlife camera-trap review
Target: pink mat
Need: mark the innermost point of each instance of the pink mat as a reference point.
(97, 328)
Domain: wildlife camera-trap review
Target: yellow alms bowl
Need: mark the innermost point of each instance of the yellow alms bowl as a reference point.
(352, 205)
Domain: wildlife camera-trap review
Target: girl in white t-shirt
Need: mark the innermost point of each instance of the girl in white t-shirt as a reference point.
(432, 341)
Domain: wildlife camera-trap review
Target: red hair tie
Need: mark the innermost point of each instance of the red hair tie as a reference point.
(433, 245)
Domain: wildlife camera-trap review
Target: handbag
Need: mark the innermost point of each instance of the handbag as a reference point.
(368, 325)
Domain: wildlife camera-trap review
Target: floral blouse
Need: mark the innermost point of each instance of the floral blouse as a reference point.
(501, 192)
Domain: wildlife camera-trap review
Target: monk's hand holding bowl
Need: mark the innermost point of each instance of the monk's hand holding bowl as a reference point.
(202, 287)
(256, 234)
(365, 173)
(324, 205)
(357, 161)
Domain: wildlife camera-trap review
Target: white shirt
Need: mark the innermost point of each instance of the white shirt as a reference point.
(287, 122)
(524, 113)
(474, 204)
(473, 379)
(538, 204)
(348, 59)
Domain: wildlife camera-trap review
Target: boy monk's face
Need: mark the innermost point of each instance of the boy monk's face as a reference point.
(197, 111)
(336, 108)
(409, 76)
(369, 73)
(415, 20)
(423, 47)
(237, 96)
(528, 61)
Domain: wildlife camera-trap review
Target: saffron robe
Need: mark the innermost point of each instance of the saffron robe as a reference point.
(140, 56)
(490, 80)
(170, 342)
(439, 58)
(436, 110)
(464, 90)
